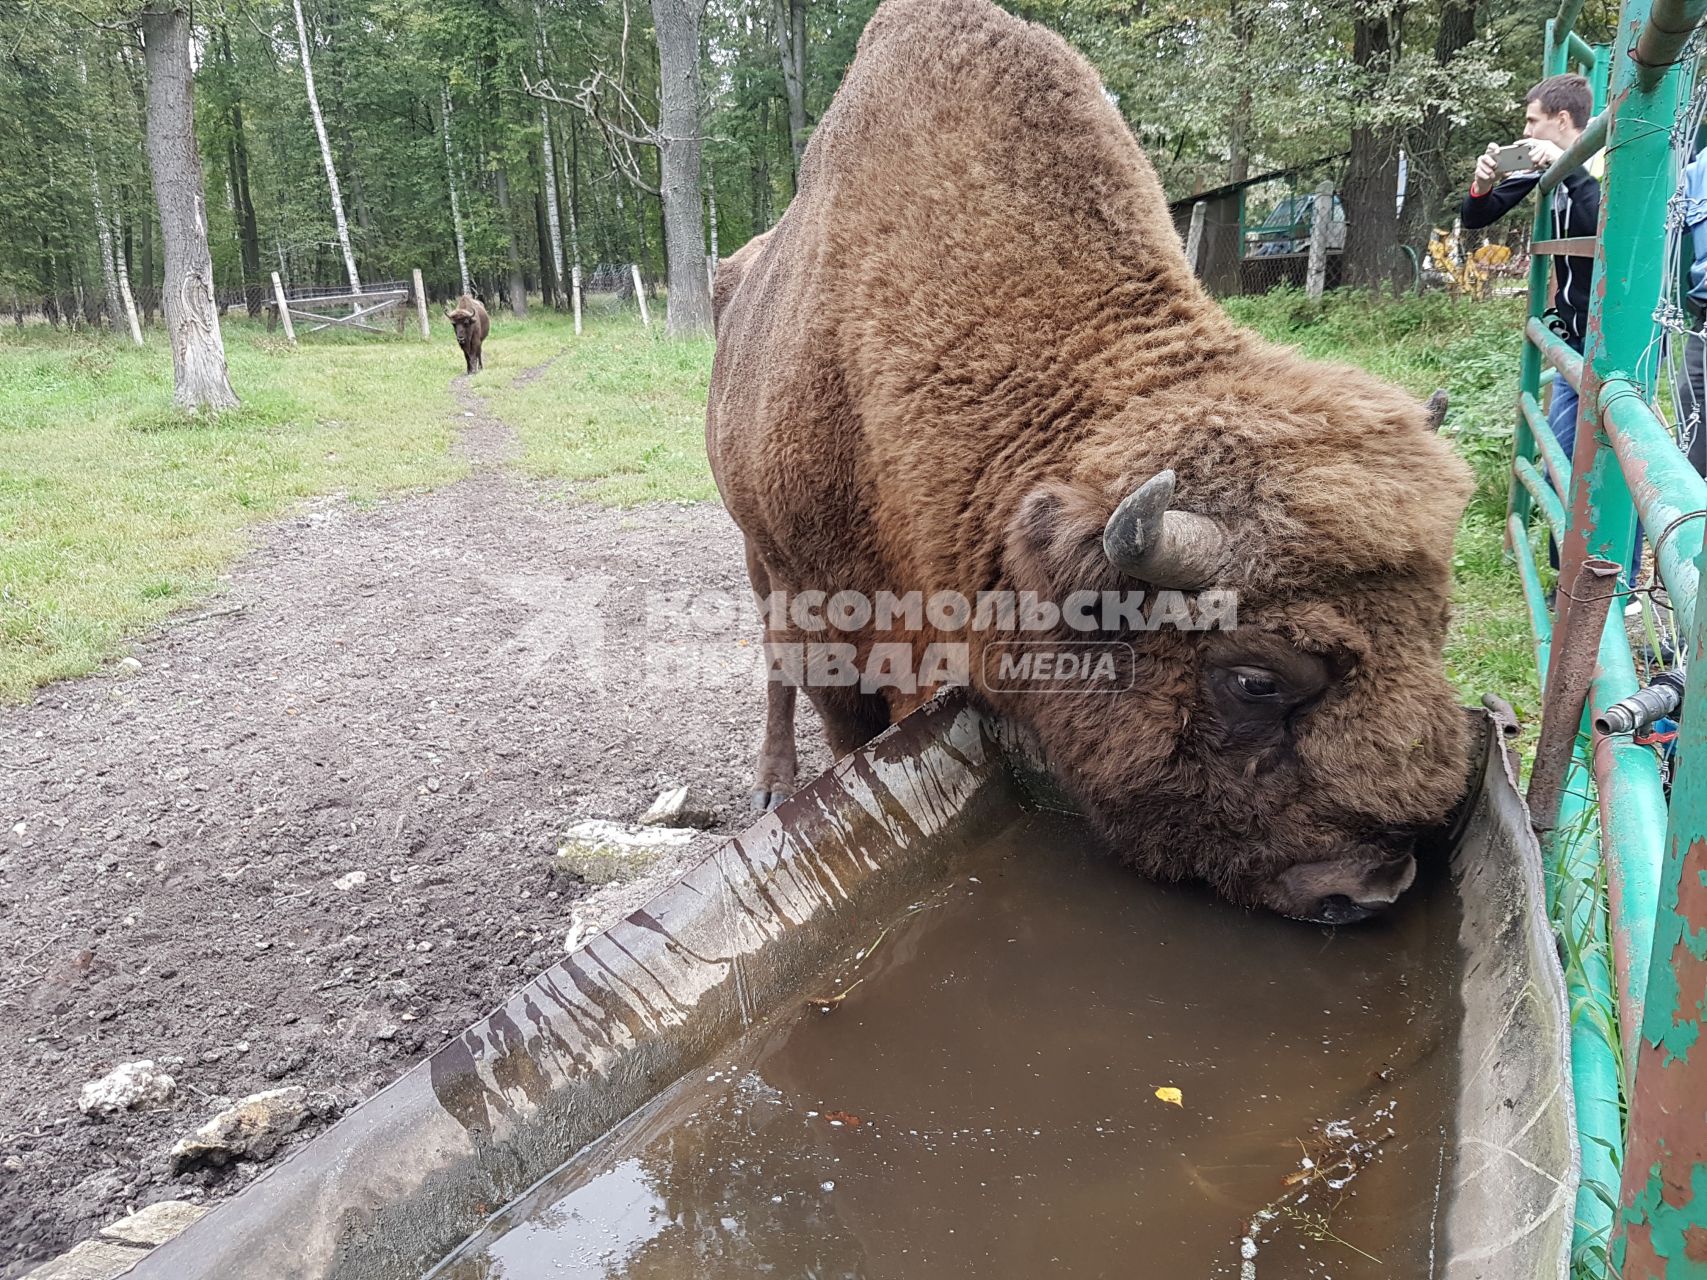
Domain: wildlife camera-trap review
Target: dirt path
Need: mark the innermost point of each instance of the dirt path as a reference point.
(425, 694)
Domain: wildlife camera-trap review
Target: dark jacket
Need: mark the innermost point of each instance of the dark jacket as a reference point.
(1576, 212)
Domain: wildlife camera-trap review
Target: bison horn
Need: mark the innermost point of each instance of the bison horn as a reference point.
(1145, 540)
(1436, 409)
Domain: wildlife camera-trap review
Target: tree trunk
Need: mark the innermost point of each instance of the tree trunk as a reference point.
(124, 289)
(711, 213)
(553, 216)
(789, 19)
(542, 232)
(338, 218)
(518, 286)
(572, 205)
(1372, 174)
(145, 260)
(248, 237)
(103, 230)
(192, 317)
(1238, 126)
(677, 24)
(150, 290)
(455, 201)
(1428, 144)
(760, 172)
(358, 191)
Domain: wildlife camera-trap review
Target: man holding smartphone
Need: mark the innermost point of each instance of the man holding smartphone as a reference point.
(1554, 113)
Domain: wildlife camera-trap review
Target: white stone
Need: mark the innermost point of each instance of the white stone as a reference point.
(677, 807)
(348, 881)
(125, 1087)
(617, 835)
(154, 1225)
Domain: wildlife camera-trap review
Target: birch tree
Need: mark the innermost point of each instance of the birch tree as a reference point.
(326, 152)
(455, 200)
(553, 217)
(123, 271)
(199, 376)
(103, 231)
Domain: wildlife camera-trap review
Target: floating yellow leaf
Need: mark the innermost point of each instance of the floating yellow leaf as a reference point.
(1167, 1093)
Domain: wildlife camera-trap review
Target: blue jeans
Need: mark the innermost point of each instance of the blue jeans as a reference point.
(1562, 417)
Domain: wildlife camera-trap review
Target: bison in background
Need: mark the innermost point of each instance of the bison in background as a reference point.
(971, 356)
(472, 324)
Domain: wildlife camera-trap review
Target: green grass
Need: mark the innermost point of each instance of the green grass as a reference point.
(620, 412)
(116, 509)
(1471, 349)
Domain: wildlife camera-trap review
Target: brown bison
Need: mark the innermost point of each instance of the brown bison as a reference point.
(971, 356)
(472, 324)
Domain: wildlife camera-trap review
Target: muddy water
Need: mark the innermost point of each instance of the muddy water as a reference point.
(981, 1101)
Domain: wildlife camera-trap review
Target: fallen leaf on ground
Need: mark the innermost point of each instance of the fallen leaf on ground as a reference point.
(1167, 1093)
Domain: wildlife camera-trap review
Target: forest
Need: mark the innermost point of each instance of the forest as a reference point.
(510, 145)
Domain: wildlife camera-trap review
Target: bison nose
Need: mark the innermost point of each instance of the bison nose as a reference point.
(1336, 908)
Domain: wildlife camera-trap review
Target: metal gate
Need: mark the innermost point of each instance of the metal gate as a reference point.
(1627, 863)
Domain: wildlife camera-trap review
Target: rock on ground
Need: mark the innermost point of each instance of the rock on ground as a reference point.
(253, 1129)
(128, 1085)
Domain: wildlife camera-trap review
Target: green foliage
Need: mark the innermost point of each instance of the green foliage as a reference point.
(1207, 85)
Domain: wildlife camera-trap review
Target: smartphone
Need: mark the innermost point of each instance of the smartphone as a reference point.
(1513, 158)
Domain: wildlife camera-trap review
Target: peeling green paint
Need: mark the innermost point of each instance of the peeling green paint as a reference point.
(1674, 1231)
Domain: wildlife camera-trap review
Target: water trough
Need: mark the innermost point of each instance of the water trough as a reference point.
(433, 1174)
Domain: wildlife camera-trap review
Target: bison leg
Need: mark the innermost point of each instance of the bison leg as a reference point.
(778, 768)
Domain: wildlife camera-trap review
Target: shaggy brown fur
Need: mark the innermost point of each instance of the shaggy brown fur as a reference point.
(972, 334)
(472, 324)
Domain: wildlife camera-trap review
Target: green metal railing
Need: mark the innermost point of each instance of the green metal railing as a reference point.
(1630, 907)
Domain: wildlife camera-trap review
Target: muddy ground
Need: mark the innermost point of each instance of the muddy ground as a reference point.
(426, 693)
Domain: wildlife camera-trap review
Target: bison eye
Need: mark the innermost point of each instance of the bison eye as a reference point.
(1256, 684)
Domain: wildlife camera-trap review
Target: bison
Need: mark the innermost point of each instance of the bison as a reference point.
(472, 324)
(971, 356)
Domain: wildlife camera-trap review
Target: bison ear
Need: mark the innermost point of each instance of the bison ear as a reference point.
(1054, 543)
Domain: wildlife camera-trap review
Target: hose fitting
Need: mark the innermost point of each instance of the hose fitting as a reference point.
(1661, 699)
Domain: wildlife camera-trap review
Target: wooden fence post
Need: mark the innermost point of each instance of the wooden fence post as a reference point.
(640, 294)
(284, 309)
(575, 293)
(1194, 237)
(1317, 278)
(421, 305)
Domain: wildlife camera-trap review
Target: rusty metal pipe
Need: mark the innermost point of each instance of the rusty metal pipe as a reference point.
(1570, 670)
